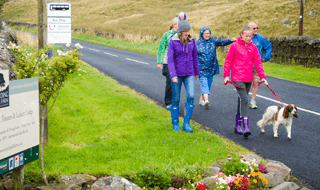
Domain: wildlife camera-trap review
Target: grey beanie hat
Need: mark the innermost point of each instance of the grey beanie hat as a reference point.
(183, 25)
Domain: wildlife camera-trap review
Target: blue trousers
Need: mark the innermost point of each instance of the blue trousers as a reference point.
(205, 84)
(189, 85)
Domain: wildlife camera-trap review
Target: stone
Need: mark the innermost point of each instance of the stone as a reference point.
(54, 187)
(210, 182)
(273, 178)
(75, 181)
(219, 163)
(293, 23)
(311, 13)
(285, 21)
(114, 183)
(211, 171)
(286, 186)
(8, 184)
(275, 166)
(251, 157)
(7, 59)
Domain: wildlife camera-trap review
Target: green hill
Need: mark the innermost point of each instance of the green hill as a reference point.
(153, 17)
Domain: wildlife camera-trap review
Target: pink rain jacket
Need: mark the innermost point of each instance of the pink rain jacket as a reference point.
(240, 60)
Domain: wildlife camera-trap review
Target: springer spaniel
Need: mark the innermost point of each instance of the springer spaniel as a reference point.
(276, 116)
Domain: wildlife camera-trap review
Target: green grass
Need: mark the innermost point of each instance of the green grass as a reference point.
(102, 128)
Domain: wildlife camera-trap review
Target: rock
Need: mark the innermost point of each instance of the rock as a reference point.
(210, 182)
(251, 157)
(286, 186)
(211, 171)
(7, 59)
(219, 163)
(293, 23)
(7, 184)
(275, 166)
(54, 187)
(273, 178)
(310, 13)
(285, 21)
(274, 19)
(75, 181)
(114, 183)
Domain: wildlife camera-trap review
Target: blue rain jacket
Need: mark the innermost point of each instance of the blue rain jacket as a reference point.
(263, 45)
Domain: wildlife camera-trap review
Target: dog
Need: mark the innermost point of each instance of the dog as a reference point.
(276, 116)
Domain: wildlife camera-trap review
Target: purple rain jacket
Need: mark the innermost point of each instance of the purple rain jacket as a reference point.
(182, 60)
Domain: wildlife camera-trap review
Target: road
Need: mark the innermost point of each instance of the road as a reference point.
(301, 154)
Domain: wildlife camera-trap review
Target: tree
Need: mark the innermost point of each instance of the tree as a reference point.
(52, 73)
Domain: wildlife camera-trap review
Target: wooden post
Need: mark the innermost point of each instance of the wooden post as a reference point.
(301, 18)
(18, 178)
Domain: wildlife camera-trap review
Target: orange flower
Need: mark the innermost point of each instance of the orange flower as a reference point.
(255, 181)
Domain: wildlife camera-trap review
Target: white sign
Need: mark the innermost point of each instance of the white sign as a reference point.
(59, 21)
(19, 122)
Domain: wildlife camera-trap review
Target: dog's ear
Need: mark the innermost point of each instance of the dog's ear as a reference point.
(295, 107)
(286, 112)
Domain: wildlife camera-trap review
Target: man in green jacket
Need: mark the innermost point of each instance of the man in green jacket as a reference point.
(162, 60)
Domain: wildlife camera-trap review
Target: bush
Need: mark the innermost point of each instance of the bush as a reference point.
(234, 166)
(153, 178)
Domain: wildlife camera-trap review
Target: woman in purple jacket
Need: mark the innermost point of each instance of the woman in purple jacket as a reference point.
(184, 68)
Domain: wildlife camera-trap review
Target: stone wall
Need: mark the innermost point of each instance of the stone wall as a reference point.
(302, 50)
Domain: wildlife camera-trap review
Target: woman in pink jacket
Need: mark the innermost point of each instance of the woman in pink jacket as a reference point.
(240, 59)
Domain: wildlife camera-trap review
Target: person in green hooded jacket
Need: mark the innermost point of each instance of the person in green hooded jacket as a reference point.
(162, 60)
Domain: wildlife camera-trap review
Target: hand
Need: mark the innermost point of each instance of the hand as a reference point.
(159, 65)
(196, 77)
(175, 80)
(226, 81)
(265, 81)
(233, 39)
(263, 60)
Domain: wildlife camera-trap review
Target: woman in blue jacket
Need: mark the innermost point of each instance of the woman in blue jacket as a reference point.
(184, 68)
(208, 62)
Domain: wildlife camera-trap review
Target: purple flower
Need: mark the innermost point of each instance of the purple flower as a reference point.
(229, 156)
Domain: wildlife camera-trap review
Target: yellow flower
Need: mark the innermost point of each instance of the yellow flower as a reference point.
(253, 174)
(259, 174)
(254, 181)
(264, 180)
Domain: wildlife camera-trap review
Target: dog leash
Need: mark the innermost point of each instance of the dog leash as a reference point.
(239, 86)
(258, 85)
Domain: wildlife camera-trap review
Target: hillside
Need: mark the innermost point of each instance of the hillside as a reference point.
(153, 17)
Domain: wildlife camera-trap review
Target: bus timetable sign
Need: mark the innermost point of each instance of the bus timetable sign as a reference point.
(59, 21)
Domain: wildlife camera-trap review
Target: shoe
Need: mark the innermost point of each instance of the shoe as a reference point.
(206, 104)
(175, 117)
(168, 107)
(246, 131)
(253, 104)
(237, 128)
(186, 123)
(201, 103)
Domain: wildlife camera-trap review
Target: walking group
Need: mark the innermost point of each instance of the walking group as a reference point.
(184, 60)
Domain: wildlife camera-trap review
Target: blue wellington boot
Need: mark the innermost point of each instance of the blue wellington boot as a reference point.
(175, 117)
(186, 123)
(237, 128)
(246, 131)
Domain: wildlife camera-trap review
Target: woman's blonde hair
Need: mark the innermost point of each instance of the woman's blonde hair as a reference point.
(182, 40)
(175, 20)
(245, 29)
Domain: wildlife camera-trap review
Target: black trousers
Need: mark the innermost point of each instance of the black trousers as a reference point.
(168, 91)
(243, 106)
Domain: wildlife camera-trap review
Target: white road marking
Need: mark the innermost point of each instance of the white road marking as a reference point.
(110, 54)
(94, 50)
(137, 61)
(299, 108)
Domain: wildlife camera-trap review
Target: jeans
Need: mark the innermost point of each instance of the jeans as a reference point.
(205, 84)
(168, 91)
(189, 85)
(243, 98)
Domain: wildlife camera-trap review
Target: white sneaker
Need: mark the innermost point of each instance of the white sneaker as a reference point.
(206, 103)
(253, 104)
(201, 103)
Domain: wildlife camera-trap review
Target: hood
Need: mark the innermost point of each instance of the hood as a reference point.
(239, 40)
(202, 31)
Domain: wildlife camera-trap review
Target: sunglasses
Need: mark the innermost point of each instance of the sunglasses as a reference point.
(255, 28)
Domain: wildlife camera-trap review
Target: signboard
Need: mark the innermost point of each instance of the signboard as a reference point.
(19, 122)
(59, 21)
